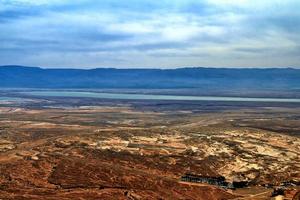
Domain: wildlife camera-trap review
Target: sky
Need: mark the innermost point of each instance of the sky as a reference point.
(150, 33)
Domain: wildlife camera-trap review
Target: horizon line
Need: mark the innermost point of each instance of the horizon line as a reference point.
(151, 68)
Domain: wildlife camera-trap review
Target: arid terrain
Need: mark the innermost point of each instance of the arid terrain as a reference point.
(99, 149)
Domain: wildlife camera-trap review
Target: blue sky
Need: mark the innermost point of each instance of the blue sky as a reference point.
(150, 33)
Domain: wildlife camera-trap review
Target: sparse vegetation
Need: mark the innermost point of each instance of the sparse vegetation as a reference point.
(136, 150)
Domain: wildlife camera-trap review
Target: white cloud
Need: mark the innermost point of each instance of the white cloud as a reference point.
(220, 33)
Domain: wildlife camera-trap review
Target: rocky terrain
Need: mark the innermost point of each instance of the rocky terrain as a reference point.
(131, 151)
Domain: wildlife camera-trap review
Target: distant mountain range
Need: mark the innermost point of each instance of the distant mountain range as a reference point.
(110, 78)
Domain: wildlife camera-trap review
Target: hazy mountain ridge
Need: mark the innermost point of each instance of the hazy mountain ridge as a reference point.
(204, 78)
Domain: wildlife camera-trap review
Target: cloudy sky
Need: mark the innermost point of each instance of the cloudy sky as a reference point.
(150, 33)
